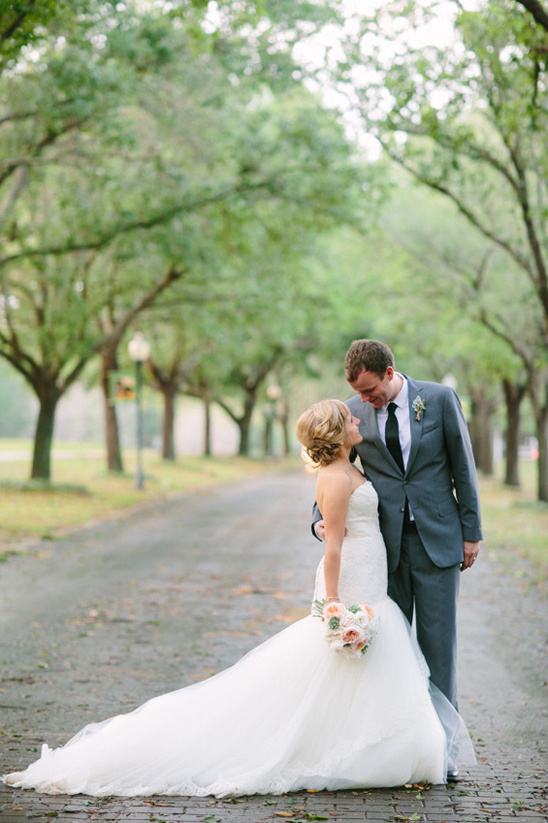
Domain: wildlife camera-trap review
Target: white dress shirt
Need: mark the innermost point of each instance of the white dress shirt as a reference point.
(404, 426)
(402, 416)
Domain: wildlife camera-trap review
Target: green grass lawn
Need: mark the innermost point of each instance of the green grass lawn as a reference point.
(515, 524)
(83, 491)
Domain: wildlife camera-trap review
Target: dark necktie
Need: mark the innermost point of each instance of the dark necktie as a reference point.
(392, 435)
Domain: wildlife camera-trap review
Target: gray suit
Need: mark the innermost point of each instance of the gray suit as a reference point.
(440, 485)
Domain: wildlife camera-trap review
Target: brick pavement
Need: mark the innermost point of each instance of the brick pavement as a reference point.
(504, 787)
(118, 652)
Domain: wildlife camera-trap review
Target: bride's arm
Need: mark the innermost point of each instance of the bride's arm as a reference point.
(333, 495)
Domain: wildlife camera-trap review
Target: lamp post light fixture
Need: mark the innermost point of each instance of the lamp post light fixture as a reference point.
(139, 351)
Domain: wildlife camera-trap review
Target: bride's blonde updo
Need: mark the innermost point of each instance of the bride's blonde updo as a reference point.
(322, 429)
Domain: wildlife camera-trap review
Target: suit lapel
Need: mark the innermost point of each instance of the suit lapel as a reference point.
(370, 423)
(415, 425)
(370, 429)
(373, 436)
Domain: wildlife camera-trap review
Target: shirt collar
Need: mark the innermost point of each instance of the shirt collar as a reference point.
(402, 398)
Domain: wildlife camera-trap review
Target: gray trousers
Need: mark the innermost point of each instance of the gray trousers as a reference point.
(420, 585)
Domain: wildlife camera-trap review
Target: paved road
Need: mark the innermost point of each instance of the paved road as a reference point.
(99, 622)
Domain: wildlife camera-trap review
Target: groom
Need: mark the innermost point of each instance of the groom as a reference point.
(416, 451)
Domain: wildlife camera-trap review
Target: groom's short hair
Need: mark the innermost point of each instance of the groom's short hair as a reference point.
(371, 355)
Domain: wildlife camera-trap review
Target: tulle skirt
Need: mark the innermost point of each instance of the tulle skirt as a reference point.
(292, 714)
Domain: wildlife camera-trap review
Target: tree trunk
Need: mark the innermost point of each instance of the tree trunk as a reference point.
(268, 436)
(284, 422)
(207, 420)
(481, 430)
(109, 363)
(243, 448)
(43, 438)
(244, 423)
(538, 392)
(169, 393)
(513, 394)
(542, 436)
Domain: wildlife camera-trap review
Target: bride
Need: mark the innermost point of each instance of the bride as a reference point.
(296, 712)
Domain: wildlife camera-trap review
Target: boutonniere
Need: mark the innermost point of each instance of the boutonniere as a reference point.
(418, 407)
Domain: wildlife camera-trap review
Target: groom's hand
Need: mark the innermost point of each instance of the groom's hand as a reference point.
(471, 551)
(320, 529)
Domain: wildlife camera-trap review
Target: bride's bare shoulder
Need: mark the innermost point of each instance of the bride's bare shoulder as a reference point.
(333, 480)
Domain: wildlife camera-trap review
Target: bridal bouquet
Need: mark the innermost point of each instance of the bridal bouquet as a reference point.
(347, 630)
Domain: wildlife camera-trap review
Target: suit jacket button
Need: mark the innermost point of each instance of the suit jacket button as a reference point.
(402, 509)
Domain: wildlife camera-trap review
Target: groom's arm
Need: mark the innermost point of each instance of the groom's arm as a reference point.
(463, 468)
(316, 519)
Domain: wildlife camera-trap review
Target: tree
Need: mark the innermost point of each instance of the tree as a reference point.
(90, 139)
(436, 298)
(470, 122)
(249, 250)
(69, 193)
(175, 350)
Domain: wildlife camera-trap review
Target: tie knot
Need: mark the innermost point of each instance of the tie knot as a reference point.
(392, 408)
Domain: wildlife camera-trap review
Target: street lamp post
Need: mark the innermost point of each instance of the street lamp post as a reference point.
(139, 351)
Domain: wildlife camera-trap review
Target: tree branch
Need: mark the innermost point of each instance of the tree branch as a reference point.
(136, 225)
(47, 140)
(541, 280)
(18, 115)
(473, 151)
(143, 302)
(465, 211)
(11, 197)
(12, 351)
(537, 10)
(17, 21)
(233, 416)
(516, 347)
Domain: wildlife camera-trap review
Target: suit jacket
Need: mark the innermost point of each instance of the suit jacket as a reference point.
(440, 481)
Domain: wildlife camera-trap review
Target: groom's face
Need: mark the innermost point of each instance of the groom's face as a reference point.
(375, 388)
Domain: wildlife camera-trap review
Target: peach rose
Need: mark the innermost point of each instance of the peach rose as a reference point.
(351, 635)
(333, 609)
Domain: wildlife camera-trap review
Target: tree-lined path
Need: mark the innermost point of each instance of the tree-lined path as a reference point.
(96, 623)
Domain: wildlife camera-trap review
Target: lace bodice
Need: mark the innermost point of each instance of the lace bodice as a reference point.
(363, 575)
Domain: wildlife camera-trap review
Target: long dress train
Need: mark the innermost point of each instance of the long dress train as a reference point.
(292, 714)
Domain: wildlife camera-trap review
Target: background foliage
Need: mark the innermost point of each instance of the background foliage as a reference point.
(204, 172)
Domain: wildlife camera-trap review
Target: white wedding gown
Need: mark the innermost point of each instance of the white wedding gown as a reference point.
(292, 714)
